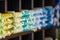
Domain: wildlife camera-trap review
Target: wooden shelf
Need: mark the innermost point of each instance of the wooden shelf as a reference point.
(26, 33)
(19, 34)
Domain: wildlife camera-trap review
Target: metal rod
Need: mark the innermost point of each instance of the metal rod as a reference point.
(32, 36)
(5, 5)
(32, 4)
(43, 31)
(19, 5)
(43, 3)
(20, 37)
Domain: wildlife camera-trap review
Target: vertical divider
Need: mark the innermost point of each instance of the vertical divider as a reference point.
(5, 5)
(32, 35)
(32, 4)
(20, 37)
(56, 34)
(43, 1)
(19, 5)
(43, 5)
(43, 34)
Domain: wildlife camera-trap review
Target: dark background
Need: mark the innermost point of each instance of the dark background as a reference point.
(13, 5)
(2, 6)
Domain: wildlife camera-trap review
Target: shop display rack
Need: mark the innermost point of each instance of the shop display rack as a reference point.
(19, 5)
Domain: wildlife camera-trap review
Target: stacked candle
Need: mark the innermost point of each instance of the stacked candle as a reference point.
(38, 14)
(7, 24)
(57, 14)
(43, 17)
(17, 22)
(27, 20)
(48, 16)
(30, 20)
(1, 28)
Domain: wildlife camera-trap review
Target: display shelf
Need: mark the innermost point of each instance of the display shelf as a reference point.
(14, 5)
